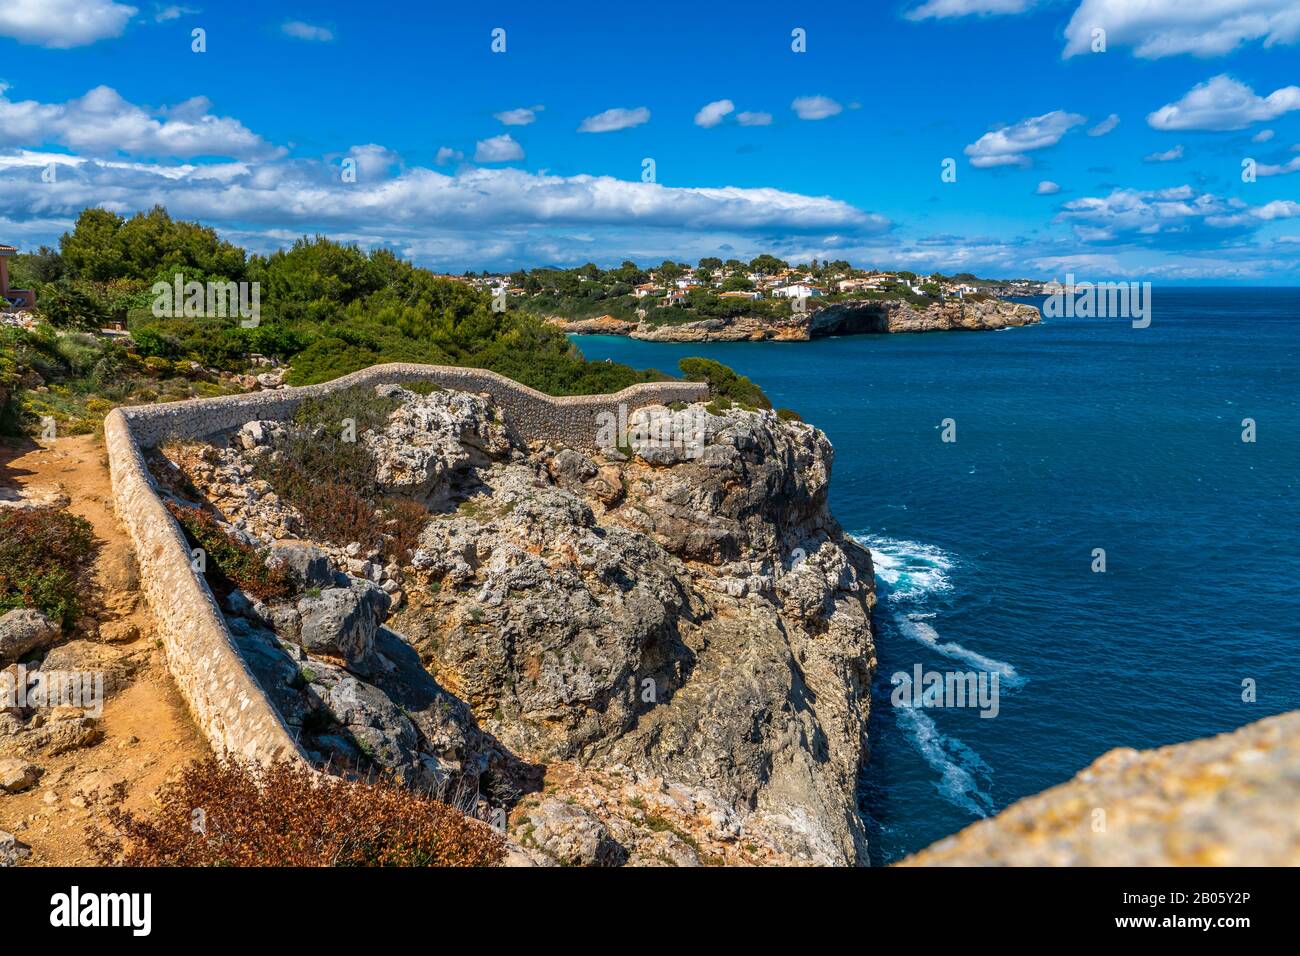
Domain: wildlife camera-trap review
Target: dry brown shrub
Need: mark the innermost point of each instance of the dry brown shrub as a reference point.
(223, 813)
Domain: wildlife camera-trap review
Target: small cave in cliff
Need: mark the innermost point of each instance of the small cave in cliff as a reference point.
(857, 318)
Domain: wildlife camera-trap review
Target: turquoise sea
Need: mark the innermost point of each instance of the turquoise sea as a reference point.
(1073, 435)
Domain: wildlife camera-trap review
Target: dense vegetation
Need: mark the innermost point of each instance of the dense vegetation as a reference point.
(325, 307)
(724, 384)
(43, 557)
(589, 291)
(286, 816)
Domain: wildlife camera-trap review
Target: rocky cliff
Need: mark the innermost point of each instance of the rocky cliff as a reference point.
(657, 653)
(1231, 800)
(839, 318)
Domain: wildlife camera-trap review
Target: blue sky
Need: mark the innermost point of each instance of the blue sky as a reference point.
(466, 158)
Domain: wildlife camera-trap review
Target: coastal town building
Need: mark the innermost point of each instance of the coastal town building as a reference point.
(12, 298)
(798, 290)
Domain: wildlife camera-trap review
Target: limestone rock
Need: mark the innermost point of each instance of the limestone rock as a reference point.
(12, 850)
(307, 565)
(1231, 800)
(571, 836)
(690, 611)
(18, 775)
(432, 440)
(23, 630)
(341, 621)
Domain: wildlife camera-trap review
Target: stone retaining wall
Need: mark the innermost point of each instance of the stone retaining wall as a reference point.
(224, 697)
(571, 420)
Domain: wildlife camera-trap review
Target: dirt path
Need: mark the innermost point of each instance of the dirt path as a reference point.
(147, 733)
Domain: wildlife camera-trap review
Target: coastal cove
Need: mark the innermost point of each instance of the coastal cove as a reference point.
(1072, 435)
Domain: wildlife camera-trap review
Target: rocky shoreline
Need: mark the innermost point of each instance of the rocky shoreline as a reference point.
(840, 318)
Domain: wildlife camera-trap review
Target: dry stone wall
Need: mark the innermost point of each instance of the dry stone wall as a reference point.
(224, 697)
(571, 420)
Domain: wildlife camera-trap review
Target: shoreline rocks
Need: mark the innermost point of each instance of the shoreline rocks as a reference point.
(877, 316)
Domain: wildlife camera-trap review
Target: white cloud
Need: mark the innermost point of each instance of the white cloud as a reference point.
(1280, 169)
(1223, 103)
(711, 114)
(1168, 156)
(945, 9)
(1263, 136)
(498, 149)
(102, 123)
(815, 107)
(1105, 126)
(1175, 216)
(1160, 28)
(754, 119)
(1007, 146)
(447, 155)
(306, 31)
(615, 119)
(520, 117)
(299, 194)
(62, 24)
(1277, 209)
(173, 12)
(374, 161)
(1047, 188)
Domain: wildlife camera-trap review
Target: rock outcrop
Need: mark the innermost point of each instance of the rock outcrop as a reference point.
(1231, 800)
(678, 621)
(820, 320)
(23, 630)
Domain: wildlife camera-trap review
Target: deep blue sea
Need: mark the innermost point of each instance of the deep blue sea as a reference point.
(1072, 435)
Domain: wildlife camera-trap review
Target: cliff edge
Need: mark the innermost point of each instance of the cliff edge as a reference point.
(1230, 800)
(656, 653)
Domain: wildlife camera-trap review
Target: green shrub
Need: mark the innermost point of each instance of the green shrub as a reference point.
(44, 554)
(724, 383)
(230, 563)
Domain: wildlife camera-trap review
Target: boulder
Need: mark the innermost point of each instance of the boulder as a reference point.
(572, 836)
(23, 630)
(12, 851)
(570, 469)
(341, 622)
(307, 565)
(434, 442)
(17, 775)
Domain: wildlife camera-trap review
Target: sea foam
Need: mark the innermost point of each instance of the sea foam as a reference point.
(959, 767)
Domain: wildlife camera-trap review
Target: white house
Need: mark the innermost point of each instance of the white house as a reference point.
(799, 290)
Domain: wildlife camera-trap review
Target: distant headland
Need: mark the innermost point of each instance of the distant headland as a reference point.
(765, 299)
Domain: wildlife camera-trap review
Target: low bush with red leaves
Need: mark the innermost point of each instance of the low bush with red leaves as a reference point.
(224, 813)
